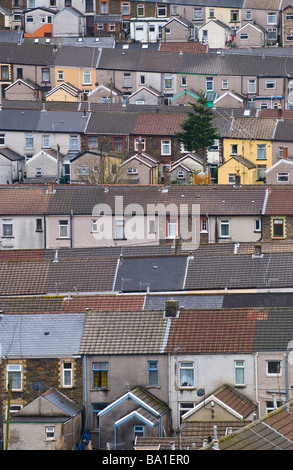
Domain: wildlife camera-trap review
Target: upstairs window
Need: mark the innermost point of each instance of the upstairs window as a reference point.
(153, 373)
(100, 374)
(186, 370)
(14, 374)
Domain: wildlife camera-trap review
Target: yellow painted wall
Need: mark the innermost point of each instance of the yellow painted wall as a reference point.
(247, 148)
(74, 76)
(224, 15)
(62, 95)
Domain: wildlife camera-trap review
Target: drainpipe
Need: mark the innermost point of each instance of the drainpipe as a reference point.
(45, 231)
(71, 229)
(256, 382)
(85, 392)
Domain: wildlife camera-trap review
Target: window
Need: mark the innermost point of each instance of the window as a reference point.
(183, 81)
(143, 143)
(271, 407)
(224, 228)
(29, 19)
(248, 15)
(125, 8)
(2, 139)
(180, 174)
(234, 16)
(46, 141)
(166, 147)
(112, 27)
(243, 36)
(142, 79)
(162, 10)
(186, 374)
(94, 225)
(272, 18)
(172, 227)
(209, 83)
(86, 77)
(234, 149)
(211, 13)
(14, 373)
(39, 225)
(83, 170)
(29, 141)
(261, 172)
(278, 228)
(7, 225)
(203, 225)
(151, 226)
(93, 142)
(261, 152)
(19, 73)
(204, 34)
(273, 368)
(100, 374)
(127, 80)
(257, 225)
(104, 8)
(174, 10)
(89, 5)
(168, 81)
(231, 178)
(45, 74)
(239, 373)
(184, 408)
(225, 85)
(282, 177)
(60, 75)
(197, 14)
(50, 432)
(38, 172)
(251, 86)
(271, 34)
(73, 142)
(118, 144)
(120, 232)
(289, 16)
(140, 10)
(270, 84)
(63, 228)
(153, 373)
(67, 374)
(96, 408)
(138, 431)
(17, 16)
(132, 170)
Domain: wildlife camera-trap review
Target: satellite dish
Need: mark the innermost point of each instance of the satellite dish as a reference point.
(37, 386)
(200, 392)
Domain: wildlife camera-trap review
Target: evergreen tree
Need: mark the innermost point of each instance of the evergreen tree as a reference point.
(198, 132)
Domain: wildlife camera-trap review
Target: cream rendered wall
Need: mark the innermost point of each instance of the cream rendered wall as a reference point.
(211, 371)
(242, 229)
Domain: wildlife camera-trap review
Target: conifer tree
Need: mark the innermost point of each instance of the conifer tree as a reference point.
(198, 132)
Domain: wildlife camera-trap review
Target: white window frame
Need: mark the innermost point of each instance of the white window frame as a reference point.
(29, 140)
(120, 229)
(83, 170)
(73, 142)
(63, 229)
(224, 223)
(125, 8)
(132, 171)
(257, 225)
(2, 140)
(87, 77)
(7, 228)
(270, 84)
(127, 80)
(67, 374)
(261, 152)
(142, 141)
(209, 83)
(161, 10)
(234, 149)
(186, 366)
(239, 366)
(104, 8)
(273, 374)
(225, 84)
(166, 147)
(140, 9)
(251, 85)
(204, 226)
(281, 176)
(50, 433)
(60, 75)
(197, 14)
(272, 17)
(13, 369)
(46, 141)
(168, 82)
(231, 178)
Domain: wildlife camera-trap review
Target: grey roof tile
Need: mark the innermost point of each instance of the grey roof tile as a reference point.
(41, 335)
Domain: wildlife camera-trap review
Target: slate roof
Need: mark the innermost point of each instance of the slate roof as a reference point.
(61, 401)
(11, 154)
(186, 301)
(127, 332)
(156, 273)
(41, 335)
